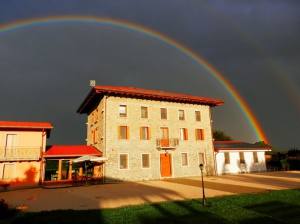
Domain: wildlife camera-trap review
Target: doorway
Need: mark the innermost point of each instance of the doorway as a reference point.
(165, 165)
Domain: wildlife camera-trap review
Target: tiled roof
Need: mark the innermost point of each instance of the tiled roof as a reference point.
(24, 124)
(237, 145)
(70, 150)
(100, 91)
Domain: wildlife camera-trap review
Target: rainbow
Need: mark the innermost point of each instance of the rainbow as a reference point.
(151, 33)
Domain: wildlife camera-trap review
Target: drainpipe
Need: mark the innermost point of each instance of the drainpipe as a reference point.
(216, 165)
(104, 146)
(41, 177)
(212, 139)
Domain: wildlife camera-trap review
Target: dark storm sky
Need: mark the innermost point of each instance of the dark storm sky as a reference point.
(45, 70)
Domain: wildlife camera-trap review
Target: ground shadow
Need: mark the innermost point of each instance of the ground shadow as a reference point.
(279, 211)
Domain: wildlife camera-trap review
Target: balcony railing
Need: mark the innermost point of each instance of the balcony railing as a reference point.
(170, 143)
(19, 153)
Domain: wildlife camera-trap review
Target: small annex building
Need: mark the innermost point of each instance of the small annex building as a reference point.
(234, 157)
(22, 145)
(59, 166)
(149, 134)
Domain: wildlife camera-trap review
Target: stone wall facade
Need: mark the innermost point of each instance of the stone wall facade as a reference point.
(104, 121)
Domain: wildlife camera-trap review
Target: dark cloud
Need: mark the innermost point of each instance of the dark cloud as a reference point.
(45, 70)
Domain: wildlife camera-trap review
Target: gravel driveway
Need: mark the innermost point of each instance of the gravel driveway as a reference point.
(123, 194)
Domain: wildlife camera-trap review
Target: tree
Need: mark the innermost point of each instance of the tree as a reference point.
(221, 136)
(266, 145)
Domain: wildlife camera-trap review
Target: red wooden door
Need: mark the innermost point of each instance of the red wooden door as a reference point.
(165, 165)
(164, 136)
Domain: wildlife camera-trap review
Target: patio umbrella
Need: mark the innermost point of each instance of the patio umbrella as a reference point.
(87, 158)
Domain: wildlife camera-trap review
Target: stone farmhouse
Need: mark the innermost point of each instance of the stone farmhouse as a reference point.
(149, 134)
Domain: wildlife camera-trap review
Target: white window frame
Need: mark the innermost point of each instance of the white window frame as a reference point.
(148, 132)
(13, 170)
(119, 161)
(147, 112)
(202, 133)
(13, 148)
(229, 162)
(187, 159)
(166, 113)
(184, 118)
(199, 115)
(204, 159)
(255, 153)
(119, 132)
(126, 110)
(148, 161)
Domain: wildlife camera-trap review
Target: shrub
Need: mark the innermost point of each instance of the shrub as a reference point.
(6, 210)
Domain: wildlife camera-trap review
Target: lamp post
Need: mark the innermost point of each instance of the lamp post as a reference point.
(203, 194)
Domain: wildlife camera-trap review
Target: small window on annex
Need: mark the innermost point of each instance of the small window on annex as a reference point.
(242, 158)
(145, 161)
(144, 112)
(123, 161)
(255, 157)
(122, 110)
(184, 159)
(227, 157)
(198, 115)
(163, 113)
(181, 115)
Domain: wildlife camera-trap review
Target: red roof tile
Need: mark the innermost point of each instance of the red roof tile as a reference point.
(24, 124)
(145, 94)
(70, 150)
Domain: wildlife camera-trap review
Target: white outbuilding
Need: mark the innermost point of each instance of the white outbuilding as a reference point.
(234, 157)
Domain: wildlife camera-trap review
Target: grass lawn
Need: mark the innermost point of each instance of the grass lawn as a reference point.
(272, 207)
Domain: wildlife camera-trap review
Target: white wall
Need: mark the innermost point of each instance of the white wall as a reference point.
(235, 166)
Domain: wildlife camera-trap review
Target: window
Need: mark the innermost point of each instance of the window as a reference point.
(242, 158)
(183, 134)
(95, 135)
(8, 171)
(144, 112)
(163, 113)
(198, 115)
(227, 158)
(123, 161)
(92, 118)
(96, 115)
(145, 133)
(11, 145)
(145, 161)
(184, 159)
(201, 158)
(255, 157)
(123, 111)
(123, 132)
(199, 134)
(181, 115)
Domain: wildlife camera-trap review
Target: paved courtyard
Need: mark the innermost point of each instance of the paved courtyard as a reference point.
(123, 194)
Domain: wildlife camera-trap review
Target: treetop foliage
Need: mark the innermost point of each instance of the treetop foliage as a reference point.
(221, 136)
